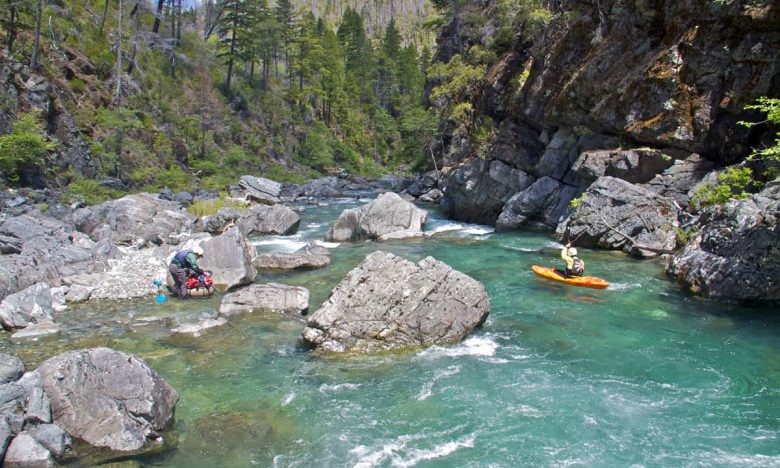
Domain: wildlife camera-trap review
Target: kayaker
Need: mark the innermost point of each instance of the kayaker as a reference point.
(183, 265)
(574, 265)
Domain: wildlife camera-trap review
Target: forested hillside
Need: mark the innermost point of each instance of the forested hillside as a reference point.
(140, 95)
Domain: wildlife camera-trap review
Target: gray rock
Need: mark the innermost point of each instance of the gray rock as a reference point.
(477, 191)
(387, 217)
(12, 405)
(261, 190)
(25, 451)
(220, 222)
(677, 181)
(11, 368)
(422, 185)
(107, 398)
(273, 297)
(78, 293)
(637, 165)
(734, 255)
(229, 258)
(308, 257)
(38, 407)
(36, 330)
(431, 197)
(10, 244)
(5, 436)
(53, 438)
(197, 329)
(614, 210)
(276, 219)
(142, 216)
(26, 307)
(535, 205)
(388, 303)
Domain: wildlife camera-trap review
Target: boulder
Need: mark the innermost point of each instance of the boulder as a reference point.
(422, 185)
(107, 398)
(11, 368)
(308, 257)
(434, 196)
(734, 255)
(53, 438)
(273, 297)
(13, 398)
(387, 217)
(262, 219)
(388, 303)
(615, 214)
(38, 407)
(5, 436)
(261, 190)
(220, 222)
(542, 204)
(141, 217)
(26, 307)
(637, 165)
(229, 258)
(477, 191)
(78, 293)
(25, 451)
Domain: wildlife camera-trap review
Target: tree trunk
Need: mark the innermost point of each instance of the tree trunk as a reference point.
(230, 60)
(37, 40)
(103, 19)
(118, 95)
(158, 17)
(134, 15)
(178, 27)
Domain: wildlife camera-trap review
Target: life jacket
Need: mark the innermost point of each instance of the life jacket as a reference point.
(577, 267)
(181, 258)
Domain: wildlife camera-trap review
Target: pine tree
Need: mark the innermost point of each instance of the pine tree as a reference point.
(285, 18)
(231, 26)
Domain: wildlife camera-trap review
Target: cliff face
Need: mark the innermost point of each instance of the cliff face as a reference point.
(671, 75)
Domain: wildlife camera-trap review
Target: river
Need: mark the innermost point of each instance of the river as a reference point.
(642, 373)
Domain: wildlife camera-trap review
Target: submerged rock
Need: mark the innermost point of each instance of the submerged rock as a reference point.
(33, 305)
(273, 297)
(197, 329)
(734, 255)
(388, 217)
(308, 257)
(388, 303)
(613, 210)
(107, 398)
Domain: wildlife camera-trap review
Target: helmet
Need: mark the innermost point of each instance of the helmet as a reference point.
(198, 250)
(572, 252)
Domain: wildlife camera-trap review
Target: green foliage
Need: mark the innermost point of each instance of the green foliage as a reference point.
(685, 235)
(577, 203)
(732, 183)
(210, 207)
(92, 192)
(26, 147)
(529, 17)
(771, 154)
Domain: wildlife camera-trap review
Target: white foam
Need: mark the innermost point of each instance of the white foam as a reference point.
(477, 346)
(327, 245)
(623, 286)
(447, 228)
(397, 454)
(325, 388)
(283, 245)
(288, 398)
(479, 231)
(468, 229)
(427, 387)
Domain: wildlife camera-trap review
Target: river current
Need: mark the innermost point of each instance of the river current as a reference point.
(642, 373)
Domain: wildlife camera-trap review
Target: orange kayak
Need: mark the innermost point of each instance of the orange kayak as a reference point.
(583, 281)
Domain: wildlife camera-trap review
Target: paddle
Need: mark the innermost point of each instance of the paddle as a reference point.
(160, 296)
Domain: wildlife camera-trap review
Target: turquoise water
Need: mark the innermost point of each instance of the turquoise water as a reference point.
(639, 374)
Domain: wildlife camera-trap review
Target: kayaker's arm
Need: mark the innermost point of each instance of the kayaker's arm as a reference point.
(566, 258)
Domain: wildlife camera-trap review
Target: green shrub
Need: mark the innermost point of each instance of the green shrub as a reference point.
(26, 147)
(731, 183)
(771, 154)
(92, 191)
(210, 207)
